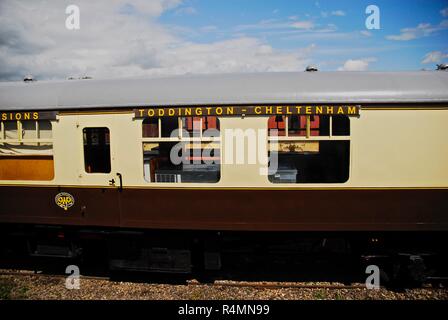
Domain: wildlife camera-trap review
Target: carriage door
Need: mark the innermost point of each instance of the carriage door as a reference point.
(97, 171)
(97, 152)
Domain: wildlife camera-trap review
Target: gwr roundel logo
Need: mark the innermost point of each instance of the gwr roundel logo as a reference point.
(64, 200)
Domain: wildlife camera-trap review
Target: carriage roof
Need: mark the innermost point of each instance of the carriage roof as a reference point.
(227, 89)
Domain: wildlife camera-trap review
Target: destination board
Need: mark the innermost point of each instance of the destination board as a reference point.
(28, 115)
(247, 111)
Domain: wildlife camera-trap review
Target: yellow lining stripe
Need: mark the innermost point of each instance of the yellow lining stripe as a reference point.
(404, 108)
(222, 188)
(93, 112)
(130, 111)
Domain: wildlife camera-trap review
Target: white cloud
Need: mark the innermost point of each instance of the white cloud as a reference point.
(338, 13)
(366, 33)
(402, 37)
(422, 30)
(302, 24)
(434, 57)
(444, 12)
(278, 26)
(356, 64)
(117, 39)
(236, 55)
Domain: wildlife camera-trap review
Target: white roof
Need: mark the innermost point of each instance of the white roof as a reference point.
(249, 88)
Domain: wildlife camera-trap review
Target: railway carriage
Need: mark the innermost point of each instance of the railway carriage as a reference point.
(170, 165)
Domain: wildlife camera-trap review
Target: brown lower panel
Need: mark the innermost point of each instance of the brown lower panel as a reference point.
(317, 210)
(276, 210)
(37, 205)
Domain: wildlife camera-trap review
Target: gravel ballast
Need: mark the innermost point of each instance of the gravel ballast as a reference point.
(31, 286)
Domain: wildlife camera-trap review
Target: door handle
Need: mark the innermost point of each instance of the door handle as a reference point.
(120, 178)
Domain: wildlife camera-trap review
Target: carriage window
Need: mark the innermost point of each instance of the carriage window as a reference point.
(151, 128)
(341, 126)
(96, 150)
(26, 150)
(309, 149)
(181, 150)
(299, 126)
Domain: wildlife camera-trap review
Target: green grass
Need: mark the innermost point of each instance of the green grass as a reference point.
(6, 287)
(8, 290)
(320, 295)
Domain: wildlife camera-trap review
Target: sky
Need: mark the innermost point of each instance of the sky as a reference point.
(152, 38)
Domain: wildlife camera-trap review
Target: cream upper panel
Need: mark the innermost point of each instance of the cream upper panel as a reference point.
(390, 148)
(126, 150)
(243, 168)
(400, 148)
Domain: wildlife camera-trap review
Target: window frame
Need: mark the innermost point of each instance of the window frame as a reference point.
(181, 138)
(308, 138)
(20, 139)
(84, 155)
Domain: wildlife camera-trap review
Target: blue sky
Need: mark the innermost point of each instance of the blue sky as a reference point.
(336, 30)
(152, 38)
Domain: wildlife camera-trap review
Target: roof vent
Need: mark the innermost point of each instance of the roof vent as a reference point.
(28, 78)
(311, 68)
(442, 66)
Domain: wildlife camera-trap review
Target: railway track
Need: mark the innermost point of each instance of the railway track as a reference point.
(275, 285)
(216, 283)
